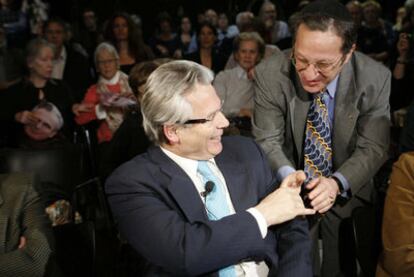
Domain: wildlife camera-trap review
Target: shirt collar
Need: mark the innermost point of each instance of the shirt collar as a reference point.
(188, 165)
(332, 86)
(241, 73)
(63, 54)
(113, 81)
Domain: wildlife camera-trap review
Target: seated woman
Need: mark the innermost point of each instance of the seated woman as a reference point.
(18, 100)
(207, 54)
(130, 138)
(121, 32)
(109, 99)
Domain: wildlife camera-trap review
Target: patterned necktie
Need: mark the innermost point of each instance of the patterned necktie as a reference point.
(318, 147)
(216, 204)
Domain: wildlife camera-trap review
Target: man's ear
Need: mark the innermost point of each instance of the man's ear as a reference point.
(349, 54)
(171, 133)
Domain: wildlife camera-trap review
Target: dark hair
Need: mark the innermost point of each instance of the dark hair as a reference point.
(320, 22)
(136, 44)
(58, 21)
(208, 25)
(139, 74)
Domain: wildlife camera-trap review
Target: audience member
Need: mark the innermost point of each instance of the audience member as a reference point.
(123, 34)
(130, 138)
(325, 110)
(45, 132)
(68, 64)
(180, 225)
(235, 86)
(26, 240)
(244, 20)
(224, 29)
(399, 18)
(376, 36)
(14, 21)
(17, 101)
(88, 33)
(403, 73)
(397, 228)
(185, 34)
(165, 42)
(276, 30)
(207, 54)
(355, 9)
(11, 63)
(108, 100)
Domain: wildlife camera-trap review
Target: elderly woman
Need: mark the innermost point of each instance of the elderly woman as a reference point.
(17, 102)
(109, 99)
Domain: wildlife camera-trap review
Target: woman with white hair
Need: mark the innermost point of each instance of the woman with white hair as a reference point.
(108, 99)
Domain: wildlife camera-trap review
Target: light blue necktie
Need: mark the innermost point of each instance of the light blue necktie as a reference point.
(216, 204)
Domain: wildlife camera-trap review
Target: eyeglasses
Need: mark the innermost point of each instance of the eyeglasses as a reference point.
(209, 118)
(322, 67)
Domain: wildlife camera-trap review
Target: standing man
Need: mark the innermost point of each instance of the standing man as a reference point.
(196, 203)
(325, 110)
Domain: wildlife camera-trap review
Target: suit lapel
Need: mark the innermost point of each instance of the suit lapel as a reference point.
(236, 178)
(181, 187)
(299, 107)
(345, 112)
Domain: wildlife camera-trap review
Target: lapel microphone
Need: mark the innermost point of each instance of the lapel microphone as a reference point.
(209, 186)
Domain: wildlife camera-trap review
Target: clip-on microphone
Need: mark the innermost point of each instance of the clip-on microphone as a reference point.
(209, 186)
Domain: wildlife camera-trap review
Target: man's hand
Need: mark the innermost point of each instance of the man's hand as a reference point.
(82, 108)
(22, 242)
(285, 202)
(26, 117)
(323, 192)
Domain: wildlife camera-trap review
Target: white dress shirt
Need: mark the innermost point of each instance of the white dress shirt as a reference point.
(59, 65)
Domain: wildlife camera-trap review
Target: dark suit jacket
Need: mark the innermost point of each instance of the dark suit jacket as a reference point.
(360, 135)
(21, 214)
(160, 212)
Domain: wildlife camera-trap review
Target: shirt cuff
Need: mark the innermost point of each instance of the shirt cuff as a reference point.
(261, 221)
(283, 172)
(100, 112)
(344, 183)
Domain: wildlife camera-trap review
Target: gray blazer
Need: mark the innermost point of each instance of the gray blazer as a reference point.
(21, 214)
(360, 136)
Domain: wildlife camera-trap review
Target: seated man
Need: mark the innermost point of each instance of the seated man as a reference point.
(199, 204)
(25, 245)
(44, 130)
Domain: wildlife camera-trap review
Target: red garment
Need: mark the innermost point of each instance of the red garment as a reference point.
(92, 96)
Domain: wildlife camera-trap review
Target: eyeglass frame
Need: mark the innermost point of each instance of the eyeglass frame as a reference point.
(329, 66)
(209, 118)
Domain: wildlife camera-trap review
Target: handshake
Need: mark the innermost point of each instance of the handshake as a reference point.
(285, 202)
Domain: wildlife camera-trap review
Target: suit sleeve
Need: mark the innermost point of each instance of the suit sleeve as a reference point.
(169, 240)
(372, 135)
(269, 120)
(397, 234)
(33, 257)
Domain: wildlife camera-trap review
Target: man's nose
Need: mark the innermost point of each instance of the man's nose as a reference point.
(223, 121)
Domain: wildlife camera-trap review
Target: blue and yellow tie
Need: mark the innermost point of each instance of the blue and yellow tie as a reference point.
(318, 146)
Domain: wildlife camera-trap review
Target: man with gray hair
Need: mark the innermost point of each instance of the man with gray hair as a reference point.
(197, 203)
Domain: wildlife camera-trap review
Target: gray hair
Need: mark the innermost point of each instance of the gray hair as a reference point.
(107, 47)
(164, 100)
(250, 36)
(35, 46)
(54, 114)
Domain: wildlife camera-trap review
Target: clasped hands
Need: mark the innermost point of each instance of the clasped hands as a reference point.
(285, 203)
